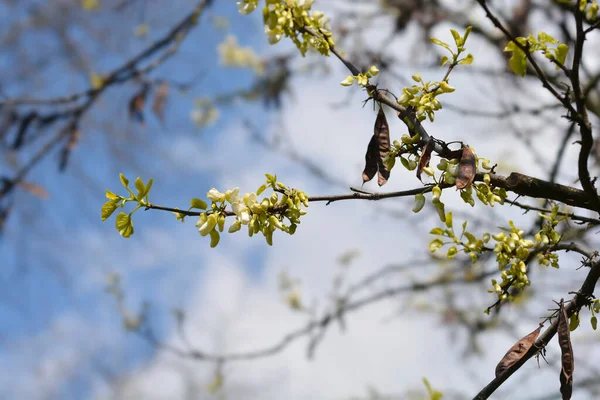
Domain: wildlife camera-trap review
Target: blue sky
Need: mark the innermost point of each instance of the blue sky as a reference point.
(61, 331)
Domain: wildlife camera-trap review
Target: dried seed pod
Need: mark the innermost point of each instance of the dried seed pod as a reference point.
(466, 168)
(568, 362)
(382, 132)
(137, 103)
(160, 99)
(517, 351)
(378, 147)
(425, 157)
(371, 157)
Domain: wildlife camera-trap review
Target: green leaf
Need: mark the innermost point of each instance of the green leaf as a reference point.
(111, 195)
(545, 38)
(594, 322)
(561, 53)
(518, 62)
(437, 231)
(149, 186)
(444, 61)
(197, 203)
(435, 245)
(124, 181)
(108, 208)
(440, 43)
(261, 189)
(468, 60)
(124, 225)
(470, 237)
(139, 185)
(467, 32)
(457, 38)
(573, 322)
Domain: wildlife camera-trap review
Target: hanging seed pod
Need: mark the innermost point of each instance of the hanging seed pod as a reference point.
(517, 351)
(567, 361)
(425, 157)
(382, 132)
(466, 168)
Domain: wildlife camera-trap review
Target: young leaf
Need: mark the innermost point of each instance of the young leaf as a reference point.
(108, 208)
(124, 181)
(198, 203)
(567, 361)
(425, 157)
(382, 132)
(141, 188)
(466, 168)
(517, 351)
(124, 225)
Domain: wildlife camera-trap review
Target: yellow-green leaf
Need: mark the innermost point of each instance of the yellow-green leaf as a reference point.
(108, 208)
(594, 322)
(124, 181)
(561, 53)
(440, 43)
(518, 62)
(110, 195)
(141, 188)
(573, 322)
(198, 203)
(457, 38)
(467, 60)
(124, 225)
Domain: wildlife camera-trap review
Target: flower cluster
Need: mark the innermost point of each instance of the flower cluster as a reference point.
(204, 113)
(293, 19)
(260, 216)
(232, 55)
(361, 79)
(512, 250)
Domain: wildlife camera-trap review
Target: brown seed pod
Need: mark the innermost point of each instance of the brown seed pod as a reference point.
(466, 168)
(378, 147)
(371, 157)
(425, 157)
(517, 351)
(567, 361)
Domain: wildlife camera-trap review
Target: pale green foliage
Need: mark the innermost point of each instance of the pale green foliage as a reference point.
(260, 216)
(592, 11)
(518, 60)
(280, 211)
(423, 96)
(432, 394)
(293, 19)
(513, 251)
(123, 220)
(231, 54)
(362, 79)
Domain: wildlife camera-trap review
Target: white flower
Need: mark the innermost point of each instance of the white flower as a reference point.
(273, 35)
(209, 225)
(231, 195)
(214, 195)
(247, 6)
